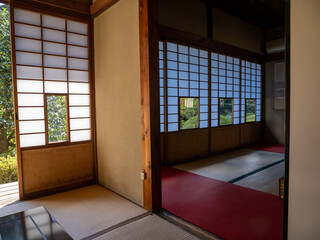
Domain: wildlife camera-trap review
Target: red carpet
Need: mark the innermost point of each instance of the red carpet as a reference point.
(225, 209)
(268, 148)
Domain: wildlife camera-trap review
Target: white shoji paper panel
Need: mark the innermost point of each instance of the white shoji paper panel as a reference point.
(30, 86)
(79, 112)
(53, 22)
(77, 136)
(30, 100)
(56, 87)
(77, 27)
(32, 140)
(83, 123)
(29, 113)
(27, 17)
(24, 58)
(82, 88)
(31, 127)
(54, 61)
(28, 45)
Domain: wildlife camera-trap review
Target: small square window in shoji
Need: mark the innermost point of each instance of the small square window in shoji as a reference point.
(225, 83)
(51, 59)
(250, 88)
(161, 86)
(187, 76)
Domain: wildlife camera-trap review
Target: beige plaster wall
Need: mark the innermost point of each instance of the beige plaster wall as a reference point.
(304, 193)
(117, 86)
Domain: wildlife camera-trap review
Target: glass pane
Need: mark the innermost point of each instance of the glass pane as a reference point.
(226, 108)
(250, 110)
(189, 113)
(57, 118)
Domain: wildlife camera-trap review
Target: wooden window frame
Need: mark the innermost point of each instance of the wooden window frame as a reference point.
(179, 104)
(220, 125)
(89, 35)
(255, 110)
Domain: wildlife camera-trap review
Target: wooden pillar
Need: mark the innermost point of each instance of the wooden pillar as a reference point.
(150, 104)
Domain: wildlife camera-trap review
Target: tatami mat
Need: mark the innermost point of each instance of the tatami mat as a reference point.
(261, 181)
(151, 227)
(83, 212)
(229, 166)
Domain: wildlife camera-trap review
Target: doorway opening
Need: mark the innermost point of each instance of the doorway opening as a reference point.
(9, 191)
(225, 175)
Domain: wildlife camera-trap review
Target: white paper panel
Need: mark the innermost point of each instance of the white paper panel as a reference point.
(75, 63)
(56, 87)
(77, 39)
(29, 72)
(55, 36)
(83, 123)
(54, 48)
(78, 76)
(80, 52)
(30, 100)
(55, 74)
(53, 61)
(27, 31)
(28, 58)
(29, 113)
(79, 100)
(30, 86)
(31, 126)
(77, 27)
(77, 112)
(77, 136)
(28, 45)
(32, 140)
(53, 22)
(26, 17)
(79, 88)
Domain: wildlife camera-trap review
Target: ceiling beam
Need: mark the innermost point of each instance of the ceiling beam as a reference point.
(99, 6)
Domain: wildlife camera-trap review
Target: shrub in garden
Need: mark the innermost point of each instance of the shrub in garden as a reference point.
(8, 169)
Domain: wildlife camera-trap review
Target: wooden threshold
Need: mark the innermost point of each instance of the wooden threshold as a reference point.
(189, 227)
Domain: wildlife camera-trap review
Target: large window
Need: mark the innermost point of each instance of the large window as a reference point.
(184, 73)
(52, 74)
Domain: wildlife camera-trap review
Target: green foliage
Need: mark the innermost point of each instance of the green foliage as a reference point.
(250, 110)
(250, 118)
(7, 134)
(225, 120)
(226, 111)
(189, 115)
(57, 118)
(8, 169)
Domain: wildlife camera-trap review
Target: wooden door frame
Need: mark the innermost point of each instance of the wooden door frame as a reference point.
(150, 104)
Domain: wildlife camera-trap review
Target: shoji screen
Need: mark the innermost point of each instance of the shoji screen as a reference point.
(186, 76)
(51, 60)
(225, 83)
(250, 87)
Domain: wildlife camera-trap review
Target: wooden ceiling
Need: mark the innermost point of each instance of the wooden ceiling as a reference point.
(262, 13)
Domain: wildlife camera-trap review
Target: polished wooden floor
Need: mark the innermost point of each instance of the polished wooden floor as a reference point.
(9, 193)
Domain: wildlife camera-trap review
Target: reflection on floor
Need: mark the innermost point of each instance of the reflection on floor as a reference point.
(259, 170)
(9, 193)
(96, 213)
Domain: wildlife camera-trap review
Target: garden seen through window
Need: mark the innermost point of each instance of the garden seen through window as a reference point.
(189, 113)
(226, 111)
(57, 118)
(250, 110)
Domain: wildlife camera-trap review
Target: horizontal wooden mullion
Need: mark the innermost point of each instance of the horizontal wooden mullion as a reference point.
(55, 145)
(33, 133)
(30, 120)
(83, 129)
(80, 117)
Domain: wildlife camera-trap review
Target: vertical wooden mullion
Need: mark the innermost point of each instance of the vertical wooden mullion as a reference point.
(165, 103)
(15, 100)
(209, 102)
(240, 98)
(44, 89)
(67, 69)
